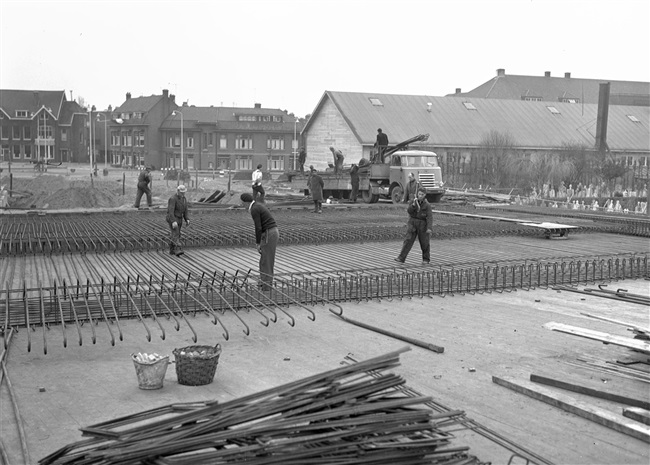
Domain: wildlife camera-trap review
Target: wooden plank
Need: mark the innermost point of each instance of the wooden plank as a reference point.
(635, 344)
(590, 392)
(618, 322)
(569, 404)
(637, 414)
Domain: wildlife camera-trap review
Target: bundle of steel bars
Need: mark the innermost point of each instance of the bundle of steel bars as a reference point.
(352, 414)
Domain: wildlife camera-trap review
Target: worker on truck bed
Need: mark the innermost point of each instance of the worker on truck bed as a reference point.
(382, 144)
(338, 160)
(420, 225)
(411, 188)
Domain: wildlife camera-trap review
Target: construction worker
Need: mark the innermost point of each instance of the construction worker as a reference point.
(257, 184)
(381, 144)
(338, 160)
(420, 225)
(411, 188)
(144, 179)
(316, 189)
(354, 181)
(302, 158)
(177, 211)
(266, 238)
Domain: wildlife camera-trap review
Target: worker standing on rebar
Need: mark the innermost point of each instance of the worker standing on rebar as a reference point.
(338, 160)
(420, 225)
(266, 238)
(258, 190)
(144, 179)
(354, 180)
(316, 189)
(177, 211)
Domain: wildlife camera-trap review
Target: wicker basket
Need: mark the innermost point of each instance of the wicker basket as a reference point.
(196, 370)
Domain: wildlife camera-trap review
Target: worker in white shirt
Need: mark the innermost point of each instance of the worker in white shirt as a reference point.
(257, 184)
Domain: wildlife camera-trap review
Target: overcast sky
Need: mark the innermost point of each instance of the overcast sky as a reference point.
(285, 54)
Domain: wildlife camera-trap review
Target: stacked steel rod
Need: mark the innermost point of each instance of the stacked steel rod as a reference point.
(352, 414)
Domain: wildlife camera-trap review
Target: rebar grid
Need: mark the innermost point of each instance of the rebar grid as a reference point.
(150, 299)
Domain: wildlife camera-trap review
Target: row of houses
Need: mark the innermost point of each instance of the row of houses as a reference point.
(539, 113)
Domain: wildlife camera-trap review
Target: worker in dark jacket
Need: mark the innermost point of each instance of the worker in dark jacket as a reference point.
(411, 188)
(420, 225)
(316, 189)
(338, 160)
(302, 158)
(177, 211)
(144, 179)
(381, 144)
(354, 180)
(266, 238)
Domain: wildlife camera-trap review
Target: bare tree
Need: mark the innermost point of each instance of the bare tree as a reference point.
(497, 150)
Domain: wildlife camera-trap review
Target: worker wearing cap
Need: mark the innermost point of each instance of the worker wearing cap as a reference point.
(144, 179)
(266, 238)
(411, 188)
(177, 211)
(420, 225)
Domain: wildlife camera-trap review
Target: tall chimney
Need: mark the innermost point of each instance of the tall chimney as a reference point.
(601, 117)
(128, 95)
(165, 93)
(501, 72)
(567, 75)
(258, 105)
(458, 90)
(547, 74)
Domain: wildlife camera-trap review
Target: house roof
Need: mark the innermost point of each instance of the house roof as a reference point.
(450, 123)
(553, 89)
(227, 118)
(138, 104)
(32, 101)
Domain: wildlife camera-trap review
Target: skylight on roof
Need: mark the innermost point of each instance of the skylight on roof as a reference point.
(553, 110)
(376, 102)
(469, 106)
(633, 118)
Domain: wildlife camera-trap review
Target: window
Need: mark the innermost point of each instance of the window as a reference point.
(210, 140)
(139, 138)
(138, 115)
(22, 114)
(569, 100)
(16, 151)
(223, 142)
(266, 118)
(175, 140)
(115, 138)
(16, 133)
(127, 139)
(247, 118)
(45, 132)
(277, 119)
(190, 162)
(64, 135)
(553, 110)
(275, 143)
(244, 163)
(243, 142)
(276, 163)
(5, 151)
(64, 154)
(633, 119)
(4, 133)
(532, 99)
(28, 151)
(27, 132)
(469, 106)
(376, 102)
(190, 142)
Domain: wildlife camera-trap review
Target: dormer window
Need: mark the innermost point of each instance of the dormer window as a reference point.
(532, 99)
(569, 100)
(22, 114)
(247, 118)
(634, 119)
(376, 102)
(469, 105)
(553, 110)
(277, 119)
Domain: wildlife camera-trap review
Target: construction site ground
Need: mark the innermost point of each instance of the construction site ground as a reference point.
(484, 334)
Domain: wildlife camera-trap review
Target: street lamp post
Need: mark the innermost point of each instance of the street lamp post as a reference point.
(105, 140)
(295, 142)
(174, 114)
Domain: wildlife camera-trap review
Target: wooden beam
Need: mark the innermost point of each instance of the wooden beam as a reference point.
(638, 414)
(569, 404)
(635, 344)
(590, 392)
(618, 322)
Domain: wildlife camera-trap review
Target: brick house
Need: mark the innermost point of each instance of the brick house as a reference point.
(37, 124)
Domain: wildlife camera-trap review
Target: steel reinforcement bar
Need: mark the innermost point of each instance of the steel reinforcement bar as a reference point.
(240, 297)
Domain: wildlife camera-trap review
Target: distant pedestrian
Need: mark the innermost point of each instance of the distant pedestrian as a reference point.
(177, 211)
(381, 144)
(302, 158)
(316, 189)
(420, 226)
(266, 238)
(354, 180)
(338, 160)
(144, 179)
(258, 190)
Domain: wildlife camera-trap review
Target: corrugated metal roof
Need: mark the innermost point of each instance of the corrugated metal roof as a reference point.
(31, 100)
(509, 86)
(450, 123)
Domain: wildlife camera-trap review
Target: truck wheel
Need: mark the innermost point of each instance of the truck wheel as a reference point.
(368, 197)
(434, 198)
(396, 195)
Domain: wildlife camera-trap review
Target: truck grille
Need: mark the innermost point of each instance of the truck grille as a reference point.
(428, 180)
